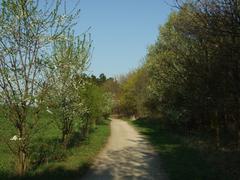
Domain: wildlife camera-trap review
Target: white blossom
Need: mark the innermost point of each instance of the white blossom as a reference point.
(28, 102)
(50, 112)
(15, 138)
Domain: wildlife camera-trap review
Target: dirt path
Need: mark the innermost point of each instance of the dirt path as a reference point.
(127, 155)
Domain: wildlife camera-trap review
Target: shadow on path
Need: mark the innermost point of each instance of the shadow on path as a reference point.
(136, 159)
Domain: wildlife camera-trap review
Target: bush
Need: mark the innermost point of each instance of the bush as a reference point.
(45, 151)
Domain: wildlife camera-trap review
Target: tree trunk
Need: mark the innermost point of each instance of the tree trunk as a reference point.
(238, 139)
(217, 136)
(86, 129)
(65, 139)
(93, 124)
(238, 135)
(22, 163)
(216, 126)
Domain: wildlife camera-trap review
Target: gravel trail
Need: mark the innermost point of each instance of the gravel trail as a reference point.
(127, 155)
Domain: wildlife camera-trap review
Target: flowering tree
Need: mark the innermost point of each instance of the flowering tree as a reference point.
(69, 62)
(26, 33)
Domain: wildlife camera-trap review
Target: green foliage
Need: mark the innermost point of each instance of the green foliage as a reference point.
(99, 103)
(133, 93)
(191, 74)
(190, 71)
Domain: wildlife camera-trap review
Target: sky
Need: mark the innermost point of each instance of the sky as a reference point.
(121, 31)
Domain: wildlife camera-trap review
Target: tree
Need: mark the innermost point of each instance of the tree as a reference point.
(26, 30)
(134, 93)
(193, 69)
(102, 78)
(70, 61)
(99, 106)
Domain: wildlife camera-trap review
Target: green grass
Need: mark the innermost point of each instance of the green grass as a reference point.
(47, 131)
(183, 160)
(76, 160)
(80, 159)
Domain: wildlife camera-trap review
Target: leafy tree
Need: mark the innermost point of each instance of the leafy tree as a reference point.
(99, 107)
(133, 94)
(193, 70)
(191, 75)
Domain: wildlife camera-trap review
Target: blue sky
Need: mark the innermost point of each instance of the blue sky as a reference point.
(121, 31)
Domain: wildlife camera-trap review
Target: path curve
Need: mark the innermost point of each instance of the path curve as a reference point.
(127, 155)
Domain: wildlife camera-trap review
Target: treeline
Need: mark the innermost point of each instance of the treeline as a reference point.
(43, 81)
(190, 79)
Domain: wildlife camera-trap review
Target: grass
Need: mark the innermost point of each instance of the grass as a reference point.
(183, 160)
(76, 162)
(80, 159)
(47, 131)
